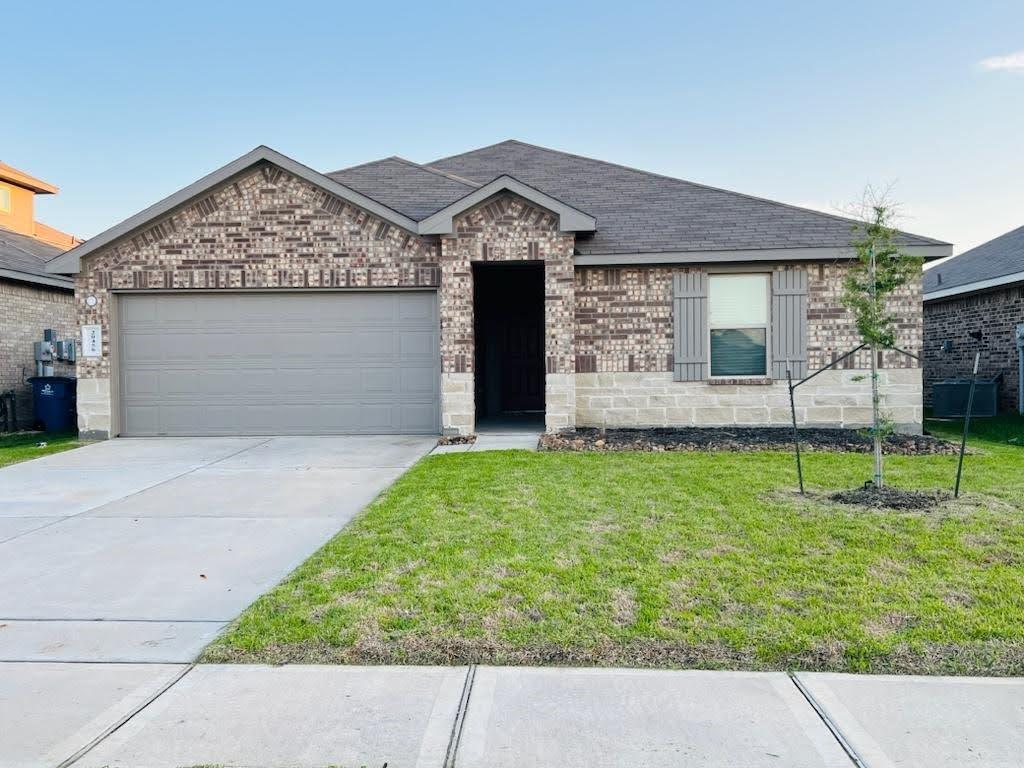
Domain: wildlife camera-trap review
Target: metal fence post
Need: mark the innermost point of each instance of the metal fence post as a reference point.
(796, 433)
(967, 424)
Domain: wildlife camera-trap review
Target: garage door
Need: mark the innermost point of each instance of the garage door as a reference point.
(278, 363)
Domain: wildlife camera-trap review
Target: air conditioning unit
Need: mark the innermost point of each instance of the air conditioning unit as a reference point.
(949, 398)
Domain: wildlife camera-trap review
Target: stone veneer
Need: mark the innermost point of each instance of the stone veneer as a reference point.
(26, 310)
(996, 314)
(506, 228)
(836, 398)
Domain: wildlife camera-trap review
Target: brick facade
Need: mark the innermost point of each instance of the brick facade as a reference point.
(996, 314)
(268, 229)
(624, 319)
(624, 346)
(26, 310)
(506, 228)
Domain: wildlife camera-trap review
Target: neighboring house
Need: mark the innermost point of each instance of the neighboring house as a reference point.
(396, 297)
(980, 290)
(31, 299)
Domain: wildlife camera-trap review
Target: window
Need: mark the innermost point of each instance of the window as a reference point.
(5, 199)
(738, 324)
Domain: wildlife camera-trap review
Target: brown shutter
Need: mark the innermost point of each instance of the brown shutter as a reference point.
(789, 323)
(690, 325)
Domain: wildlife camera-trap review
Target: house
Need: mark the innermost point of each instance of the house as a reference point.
(980, 290)
(31, 299)
(509, 281)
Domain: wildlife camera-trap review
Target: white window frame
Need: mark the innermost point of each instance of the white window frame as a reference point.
(767, 326)
(6, 207)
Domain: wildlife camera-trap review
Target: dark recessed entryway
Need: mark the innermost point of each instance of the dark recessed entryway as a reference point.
(508, 308)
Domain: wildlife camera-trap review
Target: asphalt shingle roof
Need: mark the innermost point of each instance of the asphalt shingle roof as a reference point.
(404, 186)
(26, 255)
(996, 258)
(638, 211)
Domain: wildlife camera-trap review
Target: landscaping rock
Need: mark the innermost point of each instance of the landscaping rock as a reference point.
(738, 439)
(457, 440)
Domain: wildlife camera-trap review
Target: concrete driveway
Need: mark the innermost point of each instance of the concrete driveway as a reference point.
(141, 550)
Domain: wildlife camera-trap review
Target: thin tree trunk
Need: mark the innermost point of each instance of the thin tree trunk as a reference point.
(876, 417)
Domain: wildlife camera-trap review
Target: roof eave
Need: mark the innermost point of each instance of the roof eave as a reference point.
(70, 262)
(826, 253)
(569, 219)
(976, 287)
(29, 277)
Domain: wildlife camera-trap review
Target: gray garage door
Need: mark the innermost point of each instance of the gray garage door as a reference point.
(279, 363)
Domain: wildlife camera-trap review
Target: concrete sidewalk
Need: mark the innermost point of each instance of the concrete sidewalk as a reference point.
(315, 716)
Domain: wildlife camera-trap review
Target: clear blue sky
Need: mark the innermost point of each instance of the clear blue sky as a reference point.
(122, 104)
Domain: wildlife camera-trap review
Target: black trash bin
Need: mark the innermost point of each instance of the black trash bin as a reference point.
(53, 403)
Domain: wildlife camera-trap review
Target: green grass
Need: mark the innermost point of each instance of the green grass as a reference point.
(23, 446)
(1005, 429)
(695, 560)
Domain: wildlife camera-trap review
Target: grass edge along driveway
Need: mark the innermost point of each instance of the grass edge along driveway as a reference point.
(23, 446)
(664, 560)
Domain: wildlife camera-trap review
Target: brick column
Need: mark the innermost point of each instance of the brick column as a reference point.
(455, 300)
(559, 337)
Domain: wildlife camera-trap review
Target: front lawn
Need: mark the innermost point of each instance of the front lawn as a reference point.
(23, 446)
(688, 560)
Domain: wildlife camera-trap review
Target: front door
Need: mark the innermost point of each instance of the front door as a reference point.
(509, 338)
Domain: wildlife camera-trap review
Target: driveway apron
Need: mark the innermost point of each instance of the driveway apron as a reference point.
(127, 557)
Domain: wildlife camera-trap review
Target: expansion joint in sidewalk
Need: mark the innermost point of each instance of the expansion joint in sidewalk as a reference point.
(829, 723)
(95, 742)
(460, 718)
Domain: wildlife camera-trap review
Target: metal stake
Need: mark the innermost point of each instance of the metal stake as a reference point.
(796, 433)
(967, 424)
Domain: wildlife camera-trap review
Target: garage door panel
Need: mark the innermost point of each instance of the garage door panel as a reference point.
(417, 380)
(417, 417)
(416, 342)
(279, 363)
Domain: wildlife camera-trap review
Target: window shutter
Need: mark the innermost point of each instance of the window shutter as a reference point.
(789, 323)
(690, 325)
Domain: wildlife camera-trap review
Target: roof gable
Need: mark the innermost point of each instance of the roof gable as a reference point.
(569, 219)
(70, 262)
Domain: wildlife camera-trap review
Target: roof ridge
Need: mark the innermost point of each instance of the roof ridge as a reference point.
(362, 165)
(413, 164)
(436, 171)
(834, 217)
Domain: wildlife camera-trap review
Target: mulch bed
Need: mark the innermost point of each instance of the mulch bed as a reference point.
(457, 440)
(890, 498)
(740, 439)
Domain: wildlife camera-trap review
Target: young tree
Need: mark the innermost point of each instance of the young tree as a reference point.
(881, 268)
